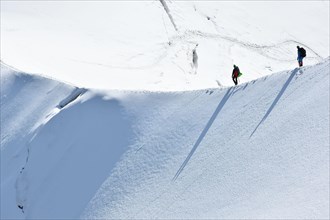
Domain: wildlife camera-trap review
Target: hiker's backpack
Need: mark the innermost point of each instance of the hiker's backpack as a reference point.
(235, 72)
(303, 52)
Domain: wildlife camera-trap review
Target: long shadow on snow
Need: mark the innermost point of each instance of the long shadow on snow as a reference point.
(285, 86)
(202, 135)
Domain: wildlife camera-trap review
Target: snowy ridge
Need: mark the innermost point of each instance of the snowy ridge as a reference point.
(257, 150)
(73, 96)
(27, 101)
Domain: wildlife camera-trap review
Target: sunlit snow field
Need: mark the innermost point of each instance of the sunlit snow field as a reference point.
(133, 45)
(104, 114)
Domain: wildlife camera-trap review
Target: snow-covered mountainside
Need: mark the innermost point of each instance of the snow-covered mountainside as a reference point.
(150, 45)
(135, 116)
(257, 150)
(26, 101)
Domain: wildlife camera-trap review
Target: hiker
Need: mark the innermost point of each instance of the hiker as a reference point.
(301, 55)
(236, 74)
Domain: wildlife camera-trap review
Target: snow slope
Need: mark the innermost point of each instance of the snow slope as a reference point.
(148, 45)
(257, 150)
(26, 102)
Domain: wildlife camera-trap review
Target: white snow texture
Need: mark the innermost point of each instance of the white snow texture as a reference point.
(154, 128)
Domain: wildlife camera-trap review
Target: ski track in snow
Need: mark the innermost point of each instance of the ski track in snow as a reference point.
(168, 13)
(191, 37)
(188, 35)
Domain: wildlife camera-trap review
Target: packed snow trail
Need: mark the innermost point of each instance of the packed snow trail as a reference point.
(122, 154)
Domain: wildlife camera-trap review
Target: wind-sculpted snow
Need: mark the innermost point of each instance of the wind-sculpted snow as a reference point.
(27, 101)
(77, 149)
(257, 150)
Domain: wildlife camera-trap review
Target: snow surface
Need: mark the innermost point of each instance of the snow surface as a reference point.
(257, 150)
(148, 45)
(26, 102)
(160, 132)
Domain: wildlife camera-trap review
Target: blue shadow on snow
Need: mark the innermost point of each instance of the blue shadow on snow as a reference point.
(202, 135)
(294, 72)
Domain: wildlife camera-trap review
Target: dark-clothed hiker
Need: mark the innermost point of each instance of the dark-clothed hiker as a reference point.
(235, 74)
(301, 55)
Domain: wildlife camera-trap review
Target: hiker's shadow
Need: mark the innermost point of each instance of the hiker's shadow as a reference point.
(205, 130)
(285, 86)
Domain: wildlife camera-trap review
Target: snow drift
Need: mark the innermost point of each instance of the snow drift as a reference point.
(26, 102)
(257, 150)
